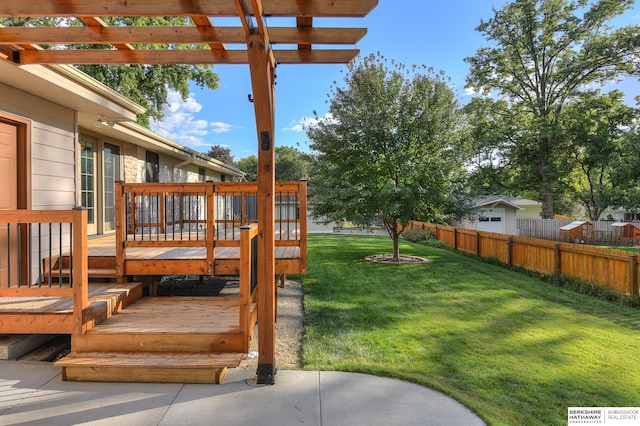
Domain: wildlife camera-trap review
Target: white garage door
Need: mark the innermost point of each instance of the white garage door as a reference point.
(491, 220)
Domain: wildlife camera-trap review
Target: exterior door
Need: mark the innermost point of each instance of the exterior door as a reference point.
(8, 201)
(88, 185)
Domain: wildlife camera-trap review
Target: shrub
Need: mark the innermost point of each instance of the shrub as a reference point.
(417, 235)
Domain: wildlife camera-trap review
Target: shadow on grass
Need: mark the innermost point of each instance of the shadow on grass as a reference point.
(514, 349)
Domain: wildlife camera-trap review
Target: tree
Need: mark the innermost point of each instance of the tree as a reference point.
(390, 151)
(597, 126)
(291, 164)
(543, 54)
(221, 153)
(249, 165)
(146, 85)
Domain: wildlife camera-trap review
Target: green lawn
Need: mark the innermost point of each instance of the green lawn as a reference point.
(513, 349)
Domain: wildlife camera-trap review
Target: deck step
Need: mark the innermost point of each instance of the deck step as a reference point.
(147, 367)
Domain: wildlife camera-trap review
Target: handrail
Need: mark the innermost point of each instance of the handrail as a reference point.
(203, 214)
(28, 243)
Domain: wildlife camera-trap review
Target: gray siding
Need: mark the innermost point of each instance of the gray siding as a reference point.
(53, 154)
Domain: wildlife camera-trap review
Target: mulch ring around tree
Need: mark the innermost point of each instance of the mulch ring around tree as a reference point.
(401, 260)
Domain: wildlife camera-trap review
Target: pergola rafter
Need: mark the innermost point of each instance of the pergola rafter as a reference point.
(200, 43)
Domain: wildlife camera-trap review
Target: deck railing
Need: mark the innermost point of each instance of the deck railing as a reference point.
(31, 244)
(205, 215)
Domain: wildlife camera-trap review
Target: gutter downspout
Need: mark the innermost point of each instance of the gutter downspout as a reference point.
(181, 164)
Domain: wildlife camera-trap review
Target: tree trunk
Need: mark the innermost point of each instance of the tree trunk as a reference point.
(546, 195)
(394, 233)
(396, 245)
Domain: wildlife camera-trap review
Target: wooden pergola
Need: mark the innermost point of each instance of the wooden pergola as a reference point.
(259, 50)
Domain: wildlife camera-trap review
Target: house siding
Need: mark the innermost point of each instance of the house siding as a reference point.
(53, 158)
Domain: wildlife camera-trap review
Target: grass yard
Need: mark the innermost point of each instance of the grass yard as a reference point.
(515, 350)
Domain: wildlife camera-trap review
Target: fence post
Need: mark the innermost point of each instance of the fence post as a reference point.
(455, 238)
(556, 257)
(509, 254)
(633, 274)
(478, 243)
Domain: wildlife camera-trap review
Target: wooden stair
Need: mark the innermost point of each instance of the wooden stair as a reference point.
(98, 267)
(163, 340)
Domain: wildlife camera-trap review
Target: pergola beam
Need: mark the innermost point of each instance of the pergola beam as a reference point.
(174, 35)
(208, 56)
(102, 8)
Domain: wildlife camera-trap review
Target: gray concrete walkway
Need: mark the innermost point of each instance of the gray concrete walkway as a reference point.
(32, 393)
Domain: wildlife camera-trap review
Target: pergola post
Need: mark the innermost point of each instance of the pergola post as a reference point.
(262, 81)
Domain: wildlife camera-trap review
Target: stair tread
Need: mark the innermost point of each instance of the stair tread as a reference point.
(99, 272)
(151, 359)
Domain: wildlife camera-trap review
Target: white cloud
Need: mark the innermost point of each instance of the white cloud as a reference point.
(220, 127)
(306, 122)
(181, 124)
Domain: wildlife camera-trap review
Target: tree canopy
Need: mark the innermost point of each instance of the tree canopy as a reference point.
(221, 153)
(543, 55)
(391, 151)
(291, 164)
(598, 129)
(146, 85)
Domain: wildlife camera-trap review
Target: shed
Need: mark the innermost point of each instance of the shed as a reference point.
(626, 232)
(577, 231)
(495, 214)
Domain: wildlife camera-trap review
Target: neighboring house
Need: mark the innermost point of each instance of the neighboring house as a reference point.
(619, 214)
(65, 139)
(531, 209)
(495, 214)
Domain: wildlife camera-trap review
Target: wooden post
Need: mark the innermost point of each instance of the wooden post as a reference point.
(121, 228)
(211, 225)
(247, 232)
(80, 271)
(455, 238)
(302, 238)
(557, 258)
(633, 274)
(263, 85)
(509, 251)
(478, 244)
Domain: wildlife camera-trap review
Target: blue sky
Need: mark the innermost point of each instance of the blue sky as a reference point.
(439, 34)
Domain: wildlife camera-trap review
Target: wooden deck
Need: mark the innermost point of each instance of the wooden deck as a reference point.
(156, 339)
(167, 260)
(54, 314)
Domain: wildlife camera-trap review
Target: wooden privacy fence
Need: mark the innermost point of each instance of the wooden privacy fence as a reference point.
(616, 269)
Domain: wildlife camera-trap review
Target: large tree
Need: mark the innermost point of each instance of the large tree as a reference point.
(146, 85)
(291, 164)
(249, 165)
(542, 54)
(391, 150)
(597, 126)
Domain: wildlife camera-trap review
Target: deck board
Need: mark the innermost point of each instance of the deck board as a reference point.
(184, 315)
(60, 305)
(105, 246)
